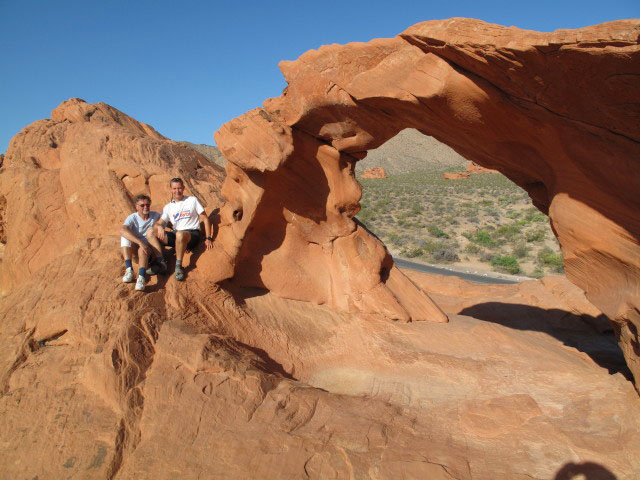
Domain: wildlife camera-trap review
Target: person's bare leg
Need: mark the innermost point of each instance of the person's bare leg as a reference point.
(182, 240)
(155, 243)
(144, 258)
(127, 255)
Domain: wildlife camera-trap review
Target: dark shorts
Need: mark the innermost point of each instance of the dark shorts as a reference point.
(193, 242)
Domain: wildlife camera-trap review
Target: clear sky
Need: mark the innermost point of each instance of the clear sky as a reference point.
(188, 67)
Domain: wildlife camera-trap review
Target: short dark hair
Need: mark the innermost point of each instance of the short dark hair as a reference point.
(176, 180)
(142, 196)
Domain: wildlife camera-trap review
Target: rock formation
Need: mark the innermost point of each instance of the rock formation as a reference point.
(456, 176)
(555, 112)
(197, 380)
(376, 172)
(472, 168)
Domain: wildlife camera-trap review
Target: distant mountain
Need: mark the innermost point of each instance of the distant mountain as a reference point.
(409, 151)
(212, 153)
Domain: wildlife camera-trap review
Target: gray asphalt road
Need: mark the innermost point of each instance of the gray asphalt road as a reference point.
(443, 271)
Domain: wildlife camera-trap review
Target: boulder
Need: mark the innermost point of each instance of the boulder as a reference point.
(376, 172)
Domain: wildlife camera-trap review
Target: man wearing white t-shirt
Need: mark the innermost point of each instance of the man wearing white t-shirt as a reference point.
(185, 214)
(133, 239)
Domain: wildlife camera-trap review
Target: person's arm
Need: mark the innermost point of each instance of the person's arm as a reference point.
(128, 234)
(208, 230)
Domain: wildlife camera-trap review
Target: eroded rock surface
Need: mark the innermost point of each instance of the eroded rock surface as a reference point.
(376, 172)
(193, 380)
(555, 112)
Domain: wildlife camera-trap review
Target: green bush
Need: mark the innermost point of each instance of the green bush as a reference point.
(482, 237)
(507, 231)
(416, 209)
(535, 236)
(537, 273)
(550, 259)
(520, 249)
(506, 263)
(437, 232)
(413, 253)
(472, 248)
(395, 238)
(365, 215)
(534, 215)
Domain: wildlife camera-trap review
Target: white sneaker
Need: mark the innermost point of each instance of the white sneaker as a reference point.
(128, 276)
(140, 284)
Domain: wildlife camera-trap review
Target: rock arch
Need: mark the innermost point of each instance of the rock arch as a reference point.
(557, 113)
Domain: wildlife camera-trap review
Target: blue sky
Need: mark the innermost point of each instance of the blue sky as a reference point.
(188, 67)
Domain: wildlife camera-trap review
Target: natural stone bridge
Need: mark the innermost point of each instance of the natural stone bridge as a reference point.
(558, 113)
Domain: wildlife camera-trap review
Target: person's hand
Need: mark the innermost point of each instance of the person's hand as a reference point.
(208, 243)
(160, 234)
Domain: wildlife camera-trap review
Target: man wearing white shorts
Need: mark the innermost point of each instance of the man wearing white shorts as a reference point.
(185, 214)
(133, 238)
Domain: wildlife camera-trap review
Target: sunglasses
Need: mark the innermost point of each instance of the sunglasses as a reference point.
(144, 205)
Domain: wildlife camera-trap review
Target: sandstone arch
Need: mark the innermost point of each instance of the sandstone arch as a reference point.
(555, 112)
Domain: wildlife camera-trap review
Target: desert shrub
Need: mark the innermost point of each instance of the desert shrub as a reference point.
(537, 273)
(416, 209)
(492, 212)
(534, 215)
(486, 203)
(520, 249)
(430, 246)
(508, 232)
(395, 238)
(487, 257)
(412, 253)
(437, 232)
(506, 263)
(472, 248)
(481, 237)
(550, 259)
(445, 255)
(365, 215)
(535, 236)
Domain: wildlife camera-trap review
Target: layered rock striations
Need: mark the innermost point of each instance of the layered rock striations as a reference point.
(195, 380)
(69, 179)
(557, 113)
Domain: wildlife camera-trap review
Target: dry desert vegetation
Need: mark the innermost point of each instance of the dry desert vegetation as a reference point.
(482, 222)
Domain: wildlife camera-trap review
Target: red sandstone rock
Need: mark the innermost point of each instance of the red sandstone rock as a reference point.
(555, 112)
(472, 168)
(191, 380)
(377, 172)
(475, 168)
(456, 176)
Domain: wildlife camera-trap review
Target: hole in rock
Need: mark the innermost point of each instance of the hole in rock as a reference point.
(476, 221)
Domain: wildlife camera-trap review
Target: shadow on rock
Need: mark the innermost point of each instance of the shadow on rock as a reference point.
(582, 332)
(584, 471)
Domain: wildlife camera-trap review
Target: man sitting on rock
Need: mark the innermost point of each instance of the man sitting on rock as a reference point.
(133, 239)
(184, 213)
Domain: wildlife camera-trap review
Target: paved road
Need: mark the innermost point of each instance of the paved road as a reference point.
(472, 277)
